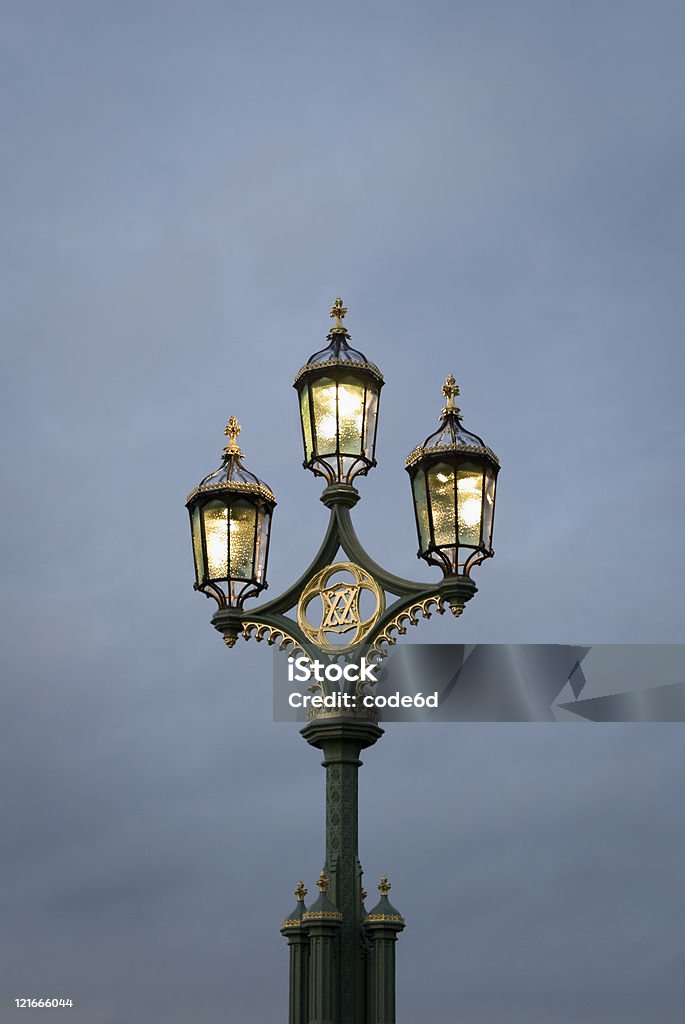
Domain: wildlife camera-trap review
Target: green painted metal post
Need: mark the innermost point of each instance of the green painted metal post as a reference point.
(298, 941)
(382, 925)
(342, 738)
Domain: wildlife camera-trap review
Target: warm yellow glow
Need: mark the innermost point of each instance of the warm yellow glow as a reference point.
(347, 424)
(242, 540)
(324, 414)
(350, 402)
(469, 506)
(469, 511)
(351, 417)
(441, 487)
(216, 536)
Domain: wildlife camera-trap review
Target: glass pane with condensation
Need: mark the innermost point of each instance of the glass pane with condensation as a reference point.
(263, 523)
(441, 488)
(350, 415)
(369, 442)
(469, 504)
(216, 536)
(197, 545)
(421, 503)
(242, 527)
(489, 508)
(306, 422)
(325, 419)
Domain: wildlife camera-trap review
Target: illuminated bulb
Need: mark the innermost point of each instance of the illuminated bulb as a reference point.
(349, 402)
(217, 548)
(470, 490)
(469, 511)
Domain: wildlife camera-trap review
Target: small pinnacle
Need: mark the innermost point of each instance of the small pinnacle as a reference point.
(338, 311)
(300, 892)
(450, 390)
(323, 882)
(384, 886)
(231, 431)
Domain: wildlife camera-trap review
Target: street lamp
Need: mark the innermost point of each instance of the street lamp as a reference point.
(342, 958)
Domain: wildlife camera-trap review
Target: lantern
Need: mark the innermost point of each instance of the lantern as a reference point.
(453, 475)
(230, 521)
(339, 390)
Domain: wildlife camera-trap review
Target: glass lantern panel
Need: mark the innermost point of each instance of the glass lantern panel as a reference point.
(469, 504)
(263, 524)
(325, 419)
(197, 545)
(421, 504)
(369, 442)
(242, 526)
(306, 422)
(441, 489)
(489, 508)
(216, 536)
(350, 415)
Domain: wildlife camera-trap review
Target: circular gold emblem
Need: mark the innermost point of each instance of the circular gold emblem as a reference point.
(349, 601)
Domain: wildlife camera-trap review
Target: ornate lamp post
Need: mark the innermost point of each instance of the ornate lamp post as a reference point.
(342, 958)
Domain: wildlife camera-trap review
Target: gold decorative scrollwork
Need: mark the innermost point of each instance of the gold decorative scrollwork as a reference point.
(273, 635)
(340, 613)
(407, 617)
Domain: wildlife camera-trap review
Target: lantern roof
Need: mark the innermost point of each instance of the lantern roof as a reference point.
(322, 909)
(384, 914)
(451, 435)
(232, 476)
(338, 353)
(294, 919)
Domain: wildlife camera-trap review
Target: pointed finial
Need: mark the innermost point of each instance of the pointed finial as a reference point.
(450, 390)
(338, 311)
(231, 431)
(323, 882)
(384, 886)
(300, 892)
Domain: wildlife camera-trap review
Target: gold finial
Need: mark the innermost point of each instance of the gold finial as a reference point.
(323, 882)
(450, 390)
(338, 311)
(384, 886)
(300, 892)
(231, 431)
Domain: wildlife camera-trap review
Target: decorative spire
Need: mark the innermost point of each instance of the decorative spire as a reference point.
(384, 886)
(338, 312)
(231, 431)
(300, 892)
(450, 390)
(323, 882)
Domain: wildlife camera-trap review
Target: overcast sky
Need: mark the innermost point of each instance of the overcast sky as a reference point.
(496, 191)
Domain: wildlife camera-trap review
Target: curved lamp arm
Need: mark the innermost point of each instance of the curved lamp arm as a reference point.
(269, 621)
